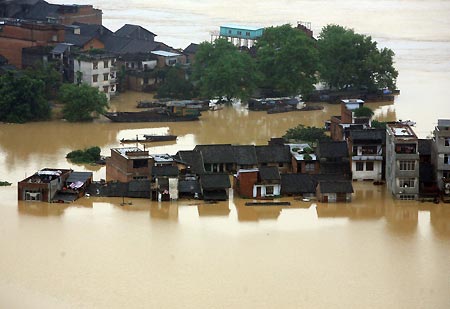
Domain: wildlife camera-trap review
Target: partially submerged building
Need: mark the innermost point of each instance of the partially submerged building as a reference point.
(127, 164)
(441, 157)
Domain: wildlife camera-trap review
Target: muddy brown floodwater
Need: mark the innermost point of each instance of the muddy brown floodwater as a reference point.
(371, 253)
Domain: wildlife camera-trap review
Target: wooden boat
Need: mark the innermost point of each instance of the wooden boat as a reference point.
(159, 115)
(149, 139)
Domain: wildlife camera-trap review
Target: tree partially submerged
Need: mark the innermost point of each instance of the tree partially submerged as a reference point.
(352, 60)
(288, 61)
(221, 70)
(88, 155)
(363, 111)
(82, 102)
(22, 99)
(175, 85)
(306, 134)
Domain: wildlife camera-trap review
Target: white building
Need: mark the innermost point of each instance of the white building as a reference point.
(96, 70)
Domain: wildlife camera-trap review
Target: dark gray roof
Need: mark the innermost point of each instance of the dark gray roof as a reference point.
(337, 168)
(332, 149)
(189, 186)
(123, 45)
(40, 11)
(343, 186)
(135, 32)
(425, 147)
(165, 170)
(218, 195)
(60, 48)
(79, 176)
(193, 159)
(297, 184)
(191, 49)
(93, 30)
(373, 135)
(139, 186)
(245, 154)
(76, 39)
(214, 181)
(216, 153)
(273, 154)
(269, 173)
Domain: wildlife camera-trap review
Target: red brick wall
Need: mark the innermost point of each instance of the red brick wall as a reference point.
(246, 182)
(86, 14)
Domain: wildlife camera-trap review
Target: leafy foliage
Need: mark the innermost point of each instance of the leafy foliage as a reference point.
(363, 111)
(81, 102)
(49, 75)
(88, 155)
(378, 124)
(306, 134)
(175, 85)
(221, 70)
(5, 183)
(22, 99)
(288, 60)
(351, 60)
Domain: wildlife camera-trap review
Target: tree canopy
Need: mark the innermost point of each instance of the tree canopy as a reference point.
(288, 61)
(352, 60)
(81, 102)
(22, 99)
(306, 134)
(175, 85)
(363, 111)
(49, 75)
(88, 155)
(221, 70)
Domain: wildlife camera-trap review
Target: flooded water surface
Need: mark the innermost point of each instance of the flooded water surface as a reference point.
(371, 253)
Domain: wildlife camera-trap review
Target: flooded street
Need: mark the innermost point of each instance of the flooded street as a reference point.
(371, 253)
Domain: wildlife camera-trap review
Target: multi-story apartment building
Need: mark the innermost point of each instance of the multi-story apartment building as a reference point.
(441, 156)
(97, 70)
(402, 161)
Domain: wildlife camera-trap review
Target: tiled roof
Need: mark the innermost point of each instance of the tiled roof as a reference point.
(245, 154)
(191, 49)
(193, 159)
(273, 154)
(79, 176)
(344, 186)
(216, 153)
(93, 30)
(215, 181)
(332, 149)
(269, 173)
(165, 170)
(297, 184)
(374, 135)
(189, 186)
(135, 32)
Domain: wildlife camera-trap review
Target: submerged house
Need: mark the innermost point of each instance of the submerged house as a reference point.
(441, 157)
(54, 185)
(215, 187)
(304, 160)
(334, 191)
(129, 163)
(334, 158)
(164, 183)
(258, 183)
(274, 155)
(298, 185)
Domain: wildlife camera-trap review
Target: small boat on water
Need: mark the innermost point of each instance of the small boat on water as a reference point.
(149, 139)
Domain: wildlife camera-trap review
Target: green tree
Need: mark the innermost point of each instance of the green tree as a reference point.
(49, 75)
(363, 111)
(81, 102)
(306, 134)
(379, 124)
(288, 61)
(88, 155)
(221, 70)
(175, 85)
(352, 60)
(22, 99)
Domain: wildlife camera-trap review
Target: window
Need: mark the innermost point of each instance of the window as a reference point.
(407, 197)
(105, 89)
(310, 167)
(406, 182)
(446, 159)
(360, 166)
(95, 65)
(140, 177)
(407, 165)
(446, 174)
(239, 32)
(247, 33)
(369, 166)
(369, 150)
(106, 64)
(447, 141)
(139, 163)
(280, 164)
(269, 190)
(105, 76)
(95, 78)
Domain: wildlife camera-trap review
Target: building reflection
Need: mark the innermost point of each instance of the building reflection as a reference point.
(333, 210)
(402, 216)
(218, 209)
(41, 209)
(256, 213)
(440, 220)
(164, 210)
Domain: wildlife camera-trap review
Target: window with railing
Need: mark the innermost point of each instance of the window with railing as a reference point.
(407, 182)
(405, 148)
(95, 65)
(407, 165)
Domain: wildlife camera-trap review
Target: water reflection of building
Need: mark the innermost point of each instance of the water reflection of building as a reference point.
(402, 216)
(167, 211)
(256, 213)
(41, 209)
(440, 219)
(219, 209)
(333, 210)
